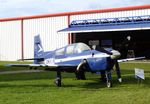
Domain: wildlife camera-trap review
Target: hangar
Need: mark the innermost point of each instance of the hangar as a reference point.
(105, 27)
(113, 32)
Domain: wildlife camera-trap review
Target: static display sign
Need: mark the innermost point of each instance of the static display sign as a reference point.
(139, 73)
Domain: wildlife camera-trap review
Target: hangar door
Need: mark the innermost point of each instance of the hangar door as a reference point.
(115, 33)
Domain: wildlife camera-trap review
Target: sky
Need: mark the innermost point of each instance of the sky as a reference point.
(18, 8)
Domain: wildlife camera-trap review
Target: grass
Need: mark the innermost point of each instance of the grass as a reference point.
(38, 88)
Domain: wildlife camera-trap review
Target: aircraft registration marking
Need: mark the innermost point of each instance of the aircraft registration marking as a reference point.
(49, 61)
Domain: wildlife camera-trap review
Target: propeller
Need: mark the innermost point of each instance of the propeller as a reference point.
(117, 55)
(114, 56)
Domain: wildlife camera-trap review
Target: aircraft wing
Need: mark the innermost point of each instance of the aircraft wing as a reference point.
(30, 65)
(49, 67)
(40, 65)
(130, 59)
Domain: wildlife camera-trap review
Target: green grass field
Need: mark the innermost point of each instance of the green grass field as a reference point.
(39, 88)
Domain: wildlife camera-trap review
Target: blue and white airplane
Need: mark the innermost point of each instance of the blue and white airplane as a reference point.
(77, 58)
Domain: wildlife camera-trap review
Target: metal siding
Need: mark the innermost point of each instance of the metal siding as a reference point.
(47, 28)
(10, 43)
(111, 14)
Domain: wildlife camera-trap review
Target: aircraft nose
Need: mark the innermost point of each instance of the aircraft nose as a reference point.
(115, 54)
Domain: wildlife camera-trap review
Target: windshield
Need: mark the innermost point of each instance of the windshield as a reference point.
(80, 47)
(70, 49)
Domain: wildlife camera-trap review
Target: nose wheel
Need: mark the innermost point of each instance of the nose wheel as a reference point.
(58, 82)
(108, 79)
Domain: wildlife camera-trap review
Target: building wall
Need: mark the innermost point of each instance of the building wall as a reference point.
(11, 32)
(10, 40)
(47, 28)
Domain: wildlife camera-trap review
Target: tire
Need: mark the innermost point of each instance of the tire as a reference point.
(80, 74)
(58, 82)
(109, 84)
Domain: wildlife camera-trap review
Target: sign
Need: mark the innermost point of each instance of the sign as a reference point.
(139, 73)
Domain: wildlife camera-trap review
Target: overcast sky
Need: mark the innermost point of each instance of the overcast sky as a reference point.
(17, 8)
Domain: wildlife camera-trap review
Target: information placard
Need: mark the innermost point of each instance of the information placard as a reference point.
(139, 73)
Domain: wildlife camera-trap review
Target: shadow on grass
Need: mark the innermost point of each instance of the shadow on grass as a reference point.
(92, 82)
(24, 76)
(127, 81)
(128, 78)
(33, 76)
(131, 80)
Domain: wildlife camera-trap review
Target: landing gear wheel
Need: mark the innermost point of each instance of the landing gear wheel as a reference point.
(108, 79)
(109, 84)
(58, 82)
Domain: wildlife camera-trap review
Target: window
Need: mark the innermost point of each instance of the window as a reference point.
(80, 47)
(70, 49)
(60, 52)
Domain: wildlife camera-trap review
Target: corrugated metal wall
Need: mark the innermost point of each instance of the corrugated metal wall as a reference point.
(47, 28)
(111, 14)
(10, 40)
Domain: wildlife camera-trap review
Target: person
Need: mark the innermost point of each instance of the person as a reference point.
(124, 47)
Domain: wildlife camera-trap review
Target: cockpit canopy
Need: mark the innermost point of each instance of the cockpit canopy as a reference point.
(72, 49)
(80, 47)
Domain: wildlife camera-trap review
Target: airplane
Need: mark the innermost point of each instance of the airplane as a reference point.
(78, 58)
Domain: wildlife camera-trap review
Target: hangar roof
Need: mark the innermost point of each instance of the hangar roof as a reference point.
(109, 24)
(123, 27)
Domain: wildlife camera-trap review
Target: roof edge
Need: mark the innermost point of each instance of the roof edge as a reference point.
(78, 13)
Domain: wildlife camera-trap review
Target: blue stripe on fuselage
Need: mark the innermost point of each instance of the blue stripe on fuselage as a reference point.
(96, 64)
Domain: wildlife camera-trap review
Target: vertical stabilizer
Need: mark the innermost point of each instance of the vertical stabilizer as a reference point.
(38, 49)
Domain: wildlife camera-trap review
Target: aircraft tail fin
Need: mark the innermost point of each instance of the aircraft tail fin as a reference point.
(38, 51)
(38, 48)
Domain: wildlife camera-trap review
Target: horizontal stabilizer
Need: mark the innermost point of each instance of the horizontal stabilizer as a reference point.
(40, 59)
